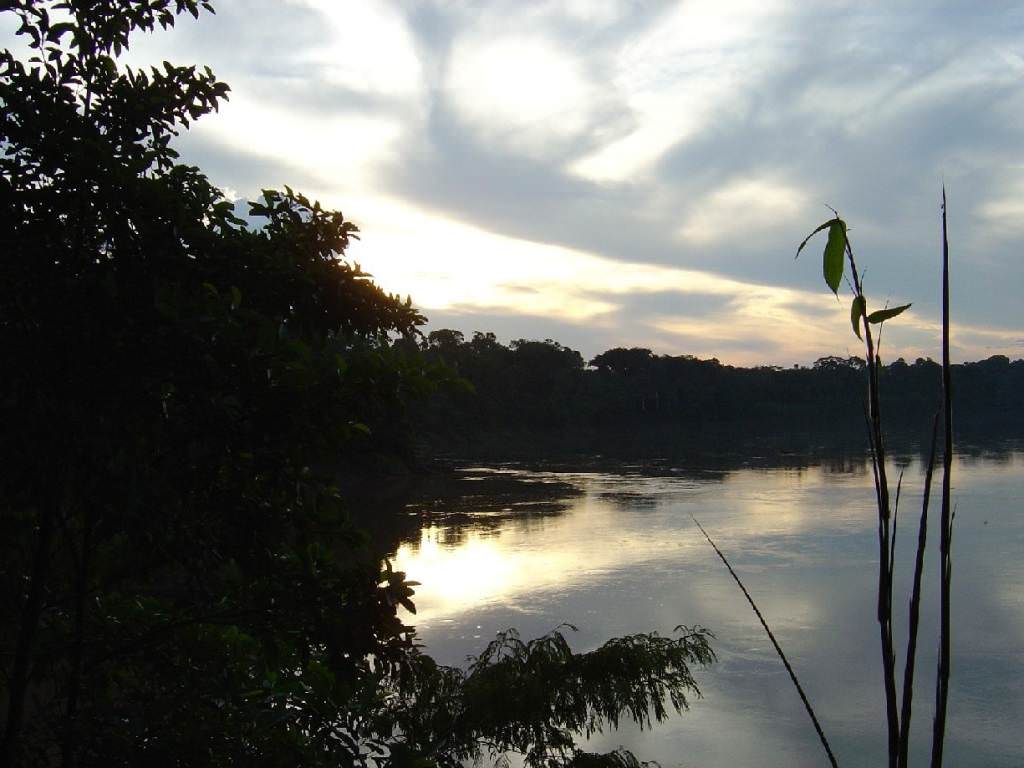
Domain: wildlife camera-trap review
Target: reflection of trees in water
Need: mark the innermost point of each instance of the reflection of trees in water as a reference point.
(633, 500)
(847, 465)
(457, 501)
(1002, 453)
(484, 501)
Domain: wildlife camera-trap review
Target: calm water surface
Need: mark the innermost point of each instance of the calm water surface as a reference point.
(615, 552)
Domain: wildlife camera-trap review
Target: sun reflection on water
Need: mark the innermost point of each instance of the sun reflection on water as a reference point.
(519, 559)
(480, 567)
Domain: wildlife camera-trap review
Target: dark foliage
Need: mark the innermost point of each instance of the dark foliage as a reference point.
(533, 697)
(631, 402)
(180, 582)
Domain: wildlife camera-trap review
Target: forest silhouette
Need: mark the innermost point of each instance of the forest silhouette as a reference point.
(530, 399)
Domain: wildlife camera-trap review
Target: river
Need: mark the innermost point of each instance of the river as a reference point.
(612, 549)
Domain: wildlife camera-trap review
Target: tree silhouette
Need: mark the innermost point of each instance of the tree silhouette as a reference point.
(532, 399)
(181, 583)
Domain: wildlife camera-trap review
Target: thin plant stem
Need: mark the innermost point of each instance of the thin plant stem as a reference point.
(778, 648)
(884, 521)
(892, 554)
(945, 533)
(895, 516)
(915, 606)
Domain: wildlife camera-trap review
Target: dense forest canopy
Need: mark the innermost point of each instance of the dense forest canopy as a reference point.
(534, 397)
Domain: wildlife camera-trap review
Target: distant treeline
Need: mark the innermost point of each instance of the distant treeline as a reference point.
(533, 397)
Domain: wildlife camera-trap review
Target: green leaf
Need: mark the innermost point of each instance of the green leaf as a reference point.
(57, 30)
(817, 229)
(236, 297)
(881, 315)
(835, 248)
(857, 309)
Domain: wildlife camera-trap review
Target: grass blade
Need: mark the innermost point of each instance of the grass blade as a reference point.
(778, 648)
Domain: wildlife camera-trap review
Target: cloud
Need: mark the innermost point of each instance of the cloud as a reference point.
(340, 149)
(700, 59)
(741, 206)
(365, 46)
(525, 92)
(460, 270)
(588, 165)
(1002, 213)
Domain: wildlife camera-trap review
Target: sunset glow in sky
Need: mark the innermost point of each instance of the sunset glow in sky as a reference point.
(629, 172)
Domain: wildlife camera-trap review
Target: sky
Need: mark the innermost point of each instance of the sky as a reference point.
(637, 173)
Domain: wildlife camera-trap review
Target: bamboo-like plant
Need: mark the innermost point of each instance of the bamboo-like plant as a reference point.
(837, 253)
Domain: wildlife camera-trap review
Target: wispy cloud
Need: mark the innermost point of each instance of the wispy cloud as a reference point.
(696, 62)
(583, 164)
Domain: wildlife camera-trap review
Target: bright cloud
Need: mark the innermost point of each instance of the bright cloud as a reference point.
(524, 92)
(742, 206)
(702, 58)
(365, 45)
(598, 12)
(342, 148)
(447, 265)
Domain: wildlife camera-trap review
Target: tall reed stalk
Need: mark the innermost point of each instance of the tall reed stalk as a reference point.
(946, 532)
